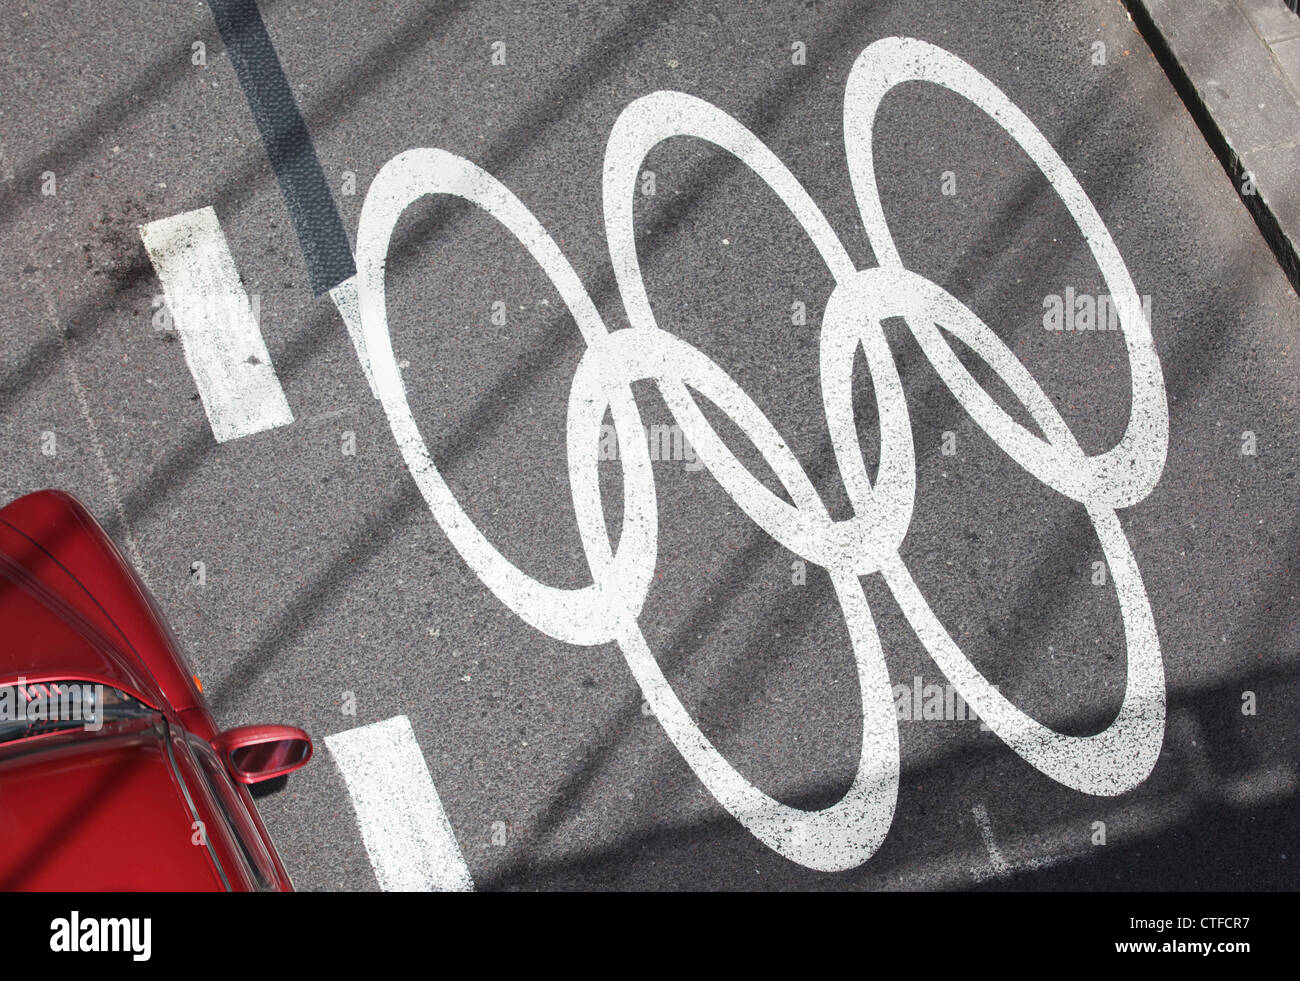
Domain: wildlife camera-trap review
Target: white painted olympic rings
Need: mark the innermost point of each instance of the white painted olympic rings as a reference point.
(848, 832)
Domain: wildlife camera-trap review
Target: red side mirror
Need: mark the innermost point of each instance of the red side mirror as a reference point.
(252, 754)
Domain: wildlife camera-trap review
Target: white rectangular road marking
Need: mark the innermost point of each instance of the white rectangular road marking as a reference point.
(405, 830)
(210, 310)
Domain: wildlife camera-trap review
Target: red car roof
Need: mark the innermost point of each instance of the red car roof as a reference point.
(97, 811)
(45, 639)
(49, 538)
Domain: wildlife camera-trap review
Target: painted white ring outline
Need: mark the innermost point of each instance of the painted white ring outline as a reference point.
(577, 616)
(863, 542)
(838, 837)
(848, 832)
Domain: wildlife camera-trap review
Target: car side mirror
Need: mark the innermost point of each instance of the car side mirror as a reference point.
(252, 754)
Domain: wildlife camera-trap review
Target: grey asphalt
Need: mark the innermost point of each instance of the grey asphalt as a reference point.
(325, 573)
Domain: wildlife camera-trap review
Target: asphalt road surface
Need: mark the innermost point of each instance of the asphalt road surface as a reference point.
(329, 597)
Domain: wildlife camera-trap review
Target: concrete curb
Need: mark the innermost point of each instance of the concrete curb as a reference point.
(1236, 65)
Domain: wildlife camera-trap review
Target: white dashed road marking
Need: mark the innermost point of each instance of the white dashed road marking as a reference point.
(405, 830)
(211, 312)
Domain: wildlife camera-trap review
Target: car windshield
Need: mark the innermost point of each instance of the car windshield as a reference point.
(52, 706)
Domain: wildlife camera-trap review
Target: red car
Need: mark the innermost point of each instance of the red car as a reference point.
(113, 774)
